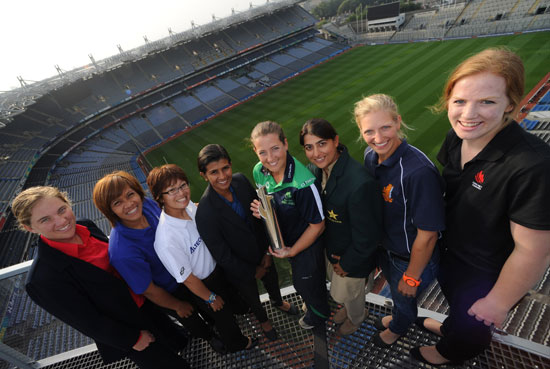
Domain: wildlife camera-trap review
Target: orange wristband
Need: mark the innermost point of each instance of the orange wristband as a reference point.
(410, 281)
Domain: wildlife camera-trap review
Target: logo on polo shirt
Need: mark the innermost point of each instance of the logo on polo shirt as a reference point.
(287, 199)
(332, 216)
(195, 245)
(307, 182)
(386, 193)
(478, 180)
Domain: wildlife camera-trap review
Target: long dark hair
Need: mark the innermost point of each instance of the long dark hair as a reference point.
(318, 127)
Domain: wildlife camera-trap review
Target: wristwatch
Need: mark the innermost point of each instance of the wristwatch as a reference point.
(410, 281)
(211, 299)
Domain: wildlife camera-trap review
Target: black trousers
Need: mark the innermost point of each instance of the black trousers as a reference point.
(248, 289)
(464, 337)
(195, 324)
(227, 327)
(309, 279)
(163, 353)
(157, 355)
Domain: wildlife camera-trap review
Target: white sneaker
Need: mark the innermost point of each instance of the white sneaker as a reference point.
(303, 323)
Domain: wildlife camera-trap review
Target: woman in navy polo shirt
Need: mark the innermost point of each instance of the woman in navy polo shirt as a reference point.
(300, 216)
(412, 191)
(497, 242)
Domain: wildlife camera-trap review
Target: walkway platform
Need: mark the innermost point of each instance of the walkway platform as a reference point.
(299, 348)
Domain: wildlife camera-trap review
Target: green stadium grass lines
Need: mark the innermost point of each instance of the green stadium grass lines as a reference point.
(412, 73)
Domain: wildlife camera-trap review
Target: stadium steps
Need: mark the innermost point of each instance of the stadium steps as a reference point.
(534, 7)
(233, 99)
(236, 43)
(477, 10)
(513, 9)
(151, 125)
(253, 36)
(178, 115)
(203, 103)
(532, 21)
(455, 23)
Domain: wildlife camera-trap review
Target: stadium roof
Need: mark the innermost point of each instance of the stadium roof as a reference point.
(15, 101)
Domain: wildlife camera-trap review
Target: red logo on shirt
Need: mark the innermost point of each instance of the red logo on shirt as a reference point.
(480, 177)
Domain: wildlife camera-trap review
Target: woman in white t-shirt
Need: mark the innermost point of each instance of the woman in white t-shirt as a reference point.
(184, 254)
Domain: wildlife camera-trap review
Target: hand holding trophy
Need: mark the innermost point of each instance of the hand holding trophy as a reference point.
(267, 213)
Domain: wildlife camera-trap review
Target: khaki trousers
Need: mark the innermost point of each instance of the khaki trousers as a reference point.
(350, 292)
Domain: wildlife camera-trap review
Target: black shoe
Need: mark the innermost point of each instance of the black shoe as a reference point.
(417, 355)
(293, 310)
(419, 322)
(379, 325)
(217, 345)
(378, 342)
(271, 334)
(253, 342)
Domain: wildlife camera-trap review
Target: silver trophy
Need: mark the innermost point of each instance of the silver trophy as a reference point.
(267, 212)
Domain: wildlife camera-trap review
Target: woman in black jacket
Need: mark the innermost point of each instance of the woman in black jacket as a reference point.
(72, 279)
(236, 239)
(353, 213)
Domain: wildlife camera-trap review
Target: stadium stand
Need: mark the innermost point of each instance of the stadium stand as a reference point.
(72, 135)
(458, 19)
(122, 103)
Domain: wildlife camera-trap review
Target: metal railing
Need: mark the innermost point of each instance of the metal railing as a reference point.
(28, 333)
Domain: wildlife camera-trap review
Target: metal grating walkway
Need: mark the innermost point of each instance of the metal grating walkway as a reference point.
(295, 349)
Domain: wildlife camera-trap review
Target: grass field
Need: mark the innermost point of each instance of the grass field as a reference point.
(412, 73)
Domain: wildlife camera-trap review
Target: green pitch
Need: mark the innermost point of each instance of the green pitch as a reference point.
(412, 73)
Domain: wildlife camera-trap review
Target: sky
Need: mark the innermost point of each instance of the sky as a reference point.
(37, 34)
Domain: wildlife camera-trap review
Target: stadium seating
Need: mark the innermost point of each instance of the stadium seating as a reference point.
(152, 126)
(459, 20)
(78, 133)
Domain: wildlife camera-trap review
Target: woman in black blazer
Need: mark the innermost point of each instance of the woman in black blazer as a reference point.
(236, 239)
(72, 279)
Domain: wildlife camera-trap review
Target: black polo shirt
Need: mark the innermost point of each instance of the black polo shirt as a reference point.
(508, 180)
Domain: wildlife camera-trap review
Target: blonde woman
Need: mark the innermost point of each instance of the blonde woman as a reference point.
(72, 278)
(412, 191)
